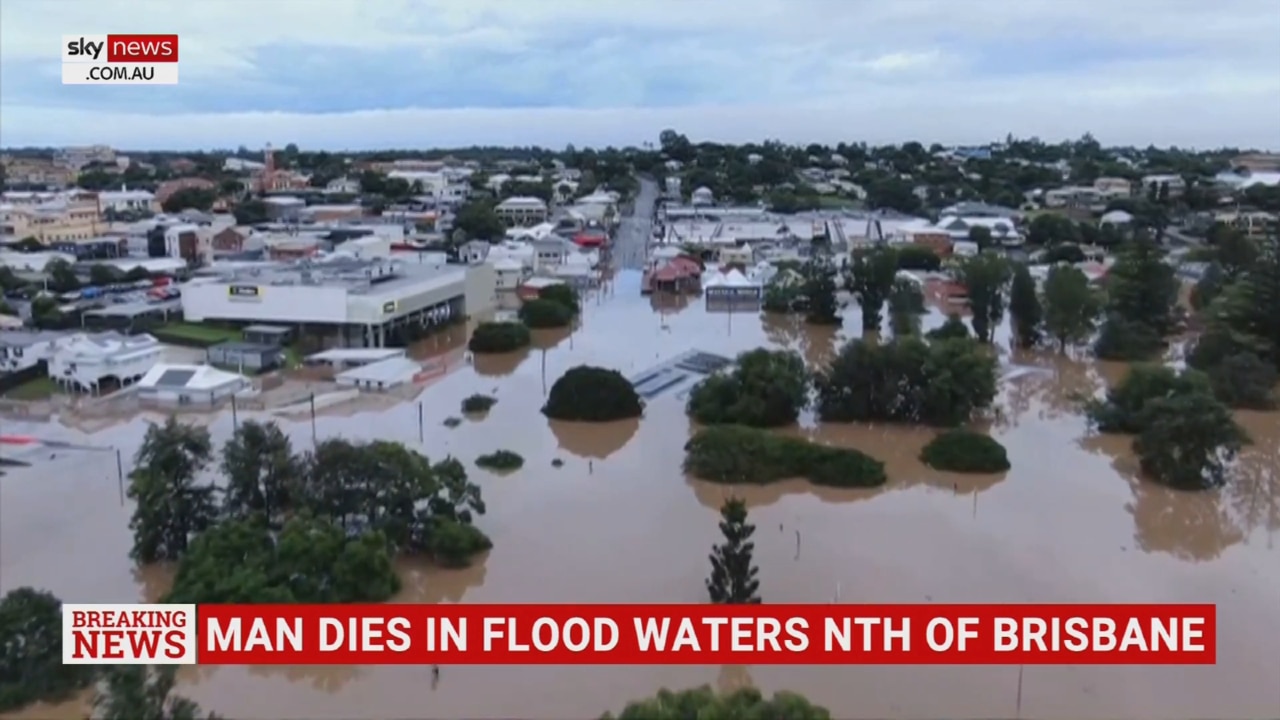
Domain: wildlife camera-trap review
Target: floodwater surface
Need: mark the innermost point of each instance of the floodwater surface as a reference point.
(620, 522)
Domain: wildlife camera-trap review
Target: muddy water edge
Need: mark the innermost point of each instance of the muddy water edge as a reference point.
(1069, 522)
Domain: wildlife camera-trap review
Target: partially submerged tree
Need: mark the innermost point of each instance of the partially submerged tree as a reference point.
(540, 313)
(953, 329)
(592, 394)
(1070, 306)
(737, 454)
(1188, 440)
(733, 571)
(907, 380)
(984, 277)
(323, 527)
(563, 294)
(312, 560)
(478, 403)
(820, 292)
(906, 305)
(765, 388)
(500, 461)
(143, 692)
(499, 337)
(261, 470)
(1142, 290)
(1123, 410)
(871, 276)
(172, 506)
(31, 668)
(1024, 306)
(965, 451)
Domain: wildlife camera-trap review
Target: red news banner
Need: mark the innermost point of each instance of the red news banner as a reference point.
(640, 634)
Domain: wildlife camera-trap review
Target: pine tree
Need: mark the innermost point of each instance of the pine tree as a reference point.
(733, 574)
(1142, 288)
(1250, 308)
(1024, 305)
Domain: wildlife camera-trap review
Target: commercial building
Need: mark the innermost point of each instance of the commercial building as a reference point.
(343, 301)
(128, 201)
(50, 218)
(77, 158)
(36, 172)
(522, 211)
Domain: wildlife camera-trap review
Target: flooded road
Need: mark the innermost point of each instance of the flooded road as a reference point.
(1068, 523)
(635, 229)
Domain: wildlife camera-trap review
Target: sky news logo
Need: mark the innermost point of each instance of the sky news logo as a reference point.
(120, 59)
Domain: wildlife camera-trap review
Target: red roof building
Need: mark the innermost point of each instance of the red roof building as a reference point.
(590, 239)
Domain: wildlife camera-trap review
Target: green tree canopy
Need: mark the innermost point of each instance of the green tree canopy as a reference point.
(1123, 410)
(541, 313)
(592, 394)
(1070, 306)
(984, 277)
(480, 221)
(871, 277)
(943, 382)
(1141, 292)
(705, 704)
(965, 451)
(739, 454)
(172, 505)
(1024, 306)
(31, 666)
(141, 692)
(499, 337)
(1188, 440)
(765, 388)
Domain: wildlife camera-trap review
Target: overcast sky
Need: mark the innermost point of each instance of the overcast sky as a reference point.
(363, 74)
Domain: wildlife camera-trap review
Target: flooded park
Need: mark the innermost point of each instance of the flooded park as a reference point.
(619, 521)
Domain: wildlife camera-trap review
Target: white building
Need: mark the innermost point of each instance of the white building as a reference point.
(77, 158)
(702, 196)
(125, 200)
(189, 384)
(522, 210)
(20, 349)
(83, 361)
(381, 375)
(193, 243)
(446, 187)
(240, 165)
(508, 272)
(344, 301)
(343, 186)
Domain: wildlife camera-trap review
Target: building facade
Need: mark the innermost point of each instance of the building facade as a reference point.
(344, 302)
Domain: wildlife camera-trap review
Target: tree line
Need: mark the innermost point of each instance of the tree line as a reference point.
(322, 526)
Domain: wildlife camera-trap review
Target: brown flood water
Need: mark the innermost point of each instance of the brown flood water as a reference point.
(1069, 523)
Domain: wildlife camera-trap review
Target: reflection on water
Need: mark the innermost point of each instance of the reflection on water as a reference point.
(498, 364)
(1199, 526)
(323, 679)
(1069, 522)
(594, 440)
(817, 344)
(549, 338)
(667, 302)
